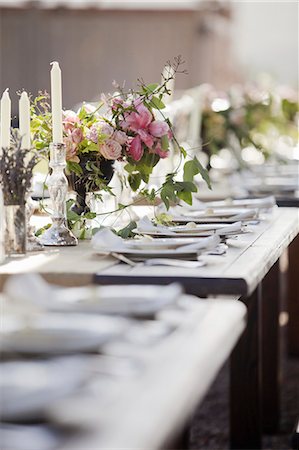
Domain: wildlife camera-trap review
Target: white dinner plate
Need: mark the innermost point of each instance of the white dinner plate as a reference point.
(158, 243)
(135, 301)
(54, 334)
(29, 387)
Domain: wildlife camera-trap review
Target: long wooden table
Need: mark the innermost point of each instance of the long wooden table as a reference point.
(152, 409)
(250, 270)
(292, 293)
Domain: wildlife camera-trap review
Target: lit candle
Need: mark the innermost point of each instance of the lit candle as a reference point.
(5, 120)
(24, 118)
(56, 103)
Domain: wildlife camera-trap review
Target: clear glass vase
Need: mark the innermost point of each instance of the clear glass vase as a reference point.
(15, 229)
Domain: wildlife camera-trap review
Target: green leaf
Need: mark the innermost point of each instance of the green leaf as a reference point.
(41, 230)
(134, 181)
(127, 231)
(130, 168)
(183, 151)
(74, 167)
(181, 186)
(186, 197)
(165, 142)
(150, 87)
(90, 215)
(82, 113)
(194, 167)
(168, 193)
(156, 103)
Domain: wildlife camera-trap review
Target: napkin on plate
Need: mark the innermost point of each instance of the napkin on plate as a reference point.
(106, 240)
(30, 290)
(145, 225)
(234, 227)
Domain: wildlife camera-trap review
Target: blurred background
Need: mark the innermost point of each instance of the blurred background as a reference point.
(95, 42)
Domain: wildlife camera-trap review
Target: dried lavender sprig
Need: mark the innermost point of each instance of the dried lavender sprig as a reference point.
(16, 168)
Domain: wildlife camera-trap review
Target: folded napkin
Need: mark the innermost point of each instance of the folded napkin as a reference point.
(105, 240)
(249, 214)
(145, 225)
(255, 203)
(30, 290)
(203, 243)
(234, 227)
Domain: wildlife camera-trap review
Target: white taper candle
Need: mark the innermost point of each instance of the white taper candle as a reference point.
(56, 103)
(24, 118)
(5, 111)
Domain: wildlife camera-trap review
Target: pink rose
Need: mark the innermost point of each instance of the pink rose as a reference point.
(92, 135)
(105, 128)
(70, 119)
(158, 128)
(77, 135)
(135, 149)
(71, 150)
(111, 149)
(120, 137)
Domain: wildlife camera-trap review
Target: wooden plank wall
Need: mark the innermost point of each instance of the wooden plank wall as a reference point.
(96, 46)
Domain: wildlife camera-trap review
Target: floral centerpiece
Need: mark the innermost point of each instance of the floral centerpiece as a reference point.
(246, 116)
(128, 126)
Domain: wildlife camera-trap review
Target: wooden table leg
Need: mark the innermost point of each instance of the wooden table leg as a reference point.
(271, 376)
(293, 298)
(245, 381)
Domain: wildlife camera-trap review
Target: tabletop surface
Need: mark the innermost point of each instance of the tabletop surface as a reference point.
(247, 261)
(151, 408)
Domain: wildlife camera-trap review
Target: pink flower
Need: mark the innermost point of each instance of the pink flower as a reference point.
(140, 119)
(89, 108)
(70, 120)
(116, 103)
(146, 138)
(135, 149)
(120, 137)
(105, 128)
(111, 149)
(159, 151)
(77, 135)
(92, 135)
(71, 150)
(158, 128)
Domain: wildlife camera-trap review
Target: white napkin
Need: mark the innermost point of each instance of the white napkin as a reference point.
(105, 240)
(145, 225)
(234, 227)
(203, 243)
(249, 214)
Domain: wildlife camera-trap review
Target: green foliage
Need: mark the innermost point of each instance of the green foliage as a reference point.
(127, 231)
(74, 167)
(194, 167)
(156, 103)
(40, 231)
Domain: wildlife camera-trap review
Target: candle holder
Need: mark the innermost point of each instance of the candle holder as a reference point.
(33, 243)
(58, 234)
